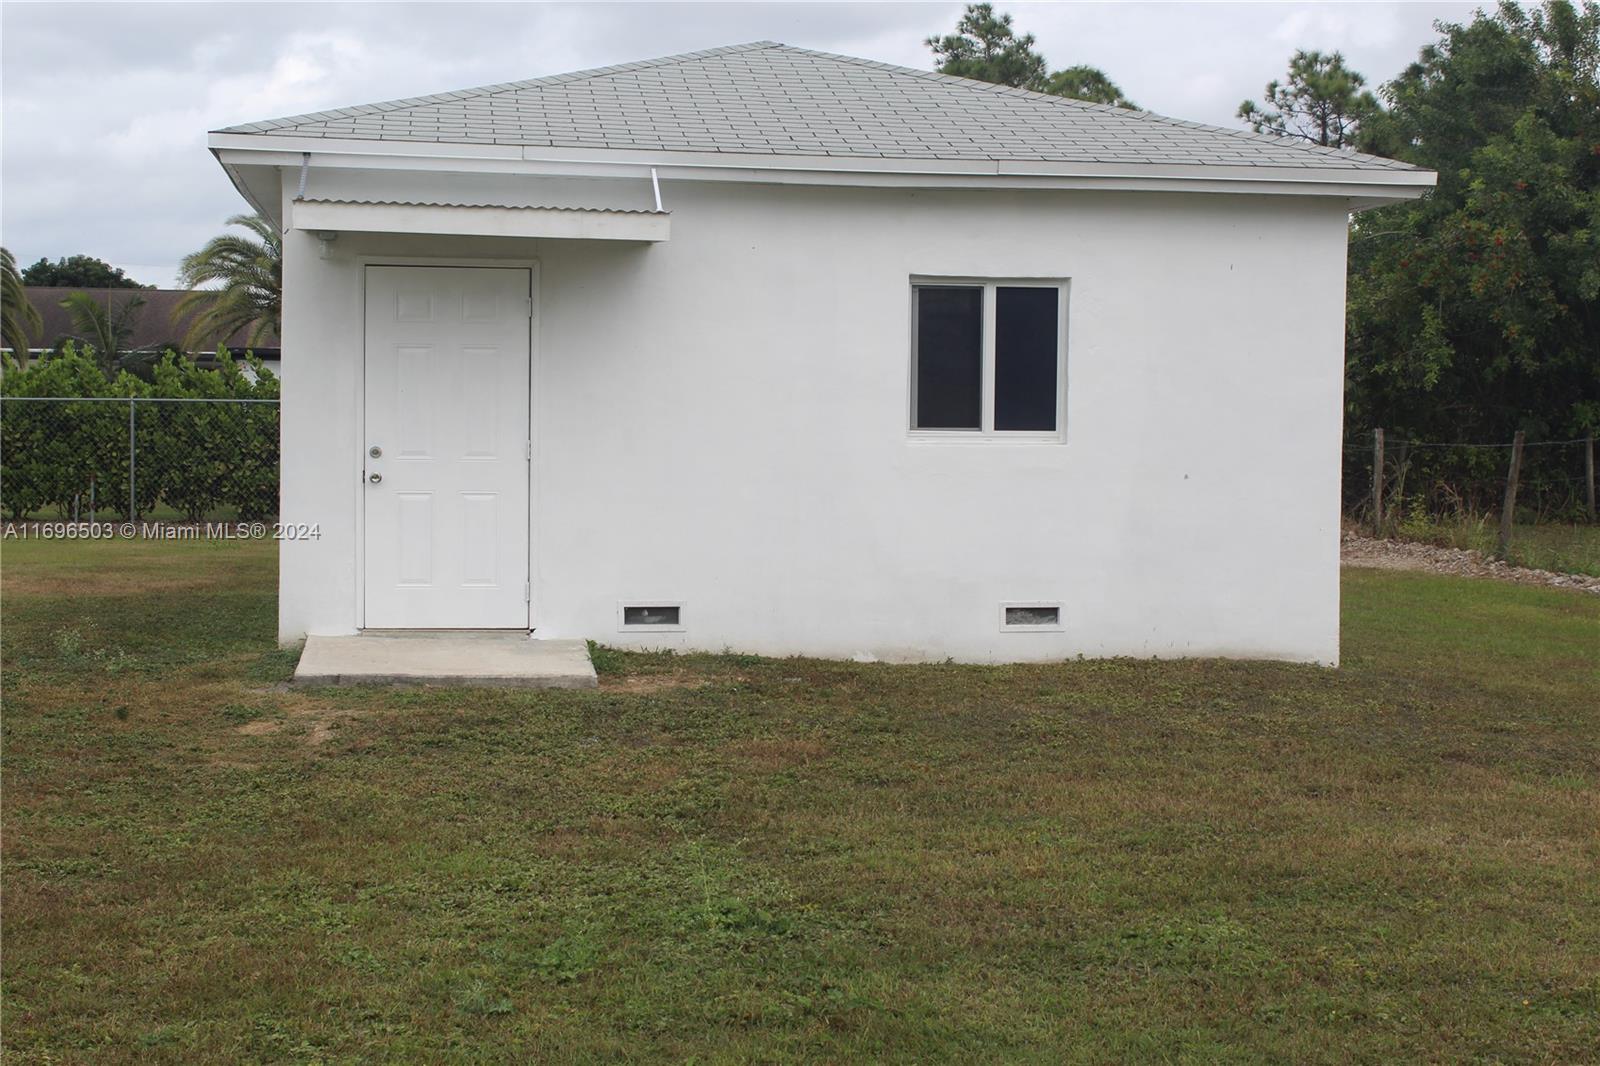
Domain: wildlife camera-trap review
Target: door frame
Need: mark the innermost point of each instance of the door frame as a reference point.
(359, 452)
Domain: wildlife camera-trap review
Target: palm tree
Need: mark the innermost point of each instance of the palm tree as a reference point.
(107, 329)
(19, 319)
(251, 296)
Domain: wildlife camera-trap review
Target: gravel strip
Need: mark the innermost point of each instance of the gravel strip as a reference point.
(1357, 550)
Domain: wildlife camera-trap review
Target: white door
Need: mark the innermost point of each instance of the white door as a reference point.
(446, 448)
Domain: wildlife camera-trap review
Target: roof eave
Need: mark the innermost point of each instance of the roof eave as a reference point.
(273, 212)
(1388, 184)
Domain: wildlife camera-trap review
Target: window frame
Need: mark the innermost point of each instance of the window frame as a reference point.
(985, 431)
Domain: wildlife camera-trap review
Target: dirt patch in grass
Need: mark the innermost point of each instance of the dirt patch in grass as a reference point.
(321, 731)
(640, 684)
(318, 721)
(262, 728)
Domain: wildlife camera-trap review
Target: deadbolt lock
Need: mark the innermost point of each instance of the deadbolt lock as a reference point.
(375, 451)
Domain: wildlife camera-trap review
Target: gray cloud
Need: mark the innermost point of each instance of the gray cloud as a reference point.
(105, 106)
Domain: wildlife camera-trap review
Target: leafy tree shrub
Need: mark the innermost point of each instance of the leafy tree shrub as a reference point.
(1475, 311)
(986, 48)
(1323, 102)
(79, 272)
(192, 457)
(53, 452)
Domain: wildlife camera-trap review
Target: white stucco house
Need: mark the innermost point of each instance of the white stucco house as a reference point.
(786, 352)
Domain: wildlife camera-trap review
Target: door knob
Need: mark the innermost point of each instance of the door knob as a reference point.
(374, 478)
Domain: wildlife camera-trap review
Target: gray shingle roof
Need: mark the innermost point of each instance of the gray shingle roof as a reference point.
(773, 99)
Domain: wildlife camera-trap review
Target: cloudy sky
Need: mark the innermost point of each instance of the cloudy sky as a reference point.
(105, 106)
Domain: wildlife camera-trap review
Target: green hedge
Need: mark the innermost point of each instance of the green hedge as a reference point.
(199, 460)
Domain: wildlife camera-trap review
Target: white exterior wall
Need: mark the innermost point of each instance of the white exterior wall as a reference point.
(721, 420)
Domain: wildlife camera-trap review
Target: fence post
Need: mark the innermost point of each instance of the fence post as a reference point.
(1377, 482)
(133, 504)
(1588, 471)
(1509, 508)
(1400, 478)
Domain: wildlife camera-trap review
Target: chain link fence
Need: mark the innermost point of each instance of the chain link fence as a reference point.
(203, 459)
(183, 460)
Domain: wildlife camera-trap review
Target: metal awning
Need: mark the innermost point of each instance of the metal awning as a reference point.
(479, 220)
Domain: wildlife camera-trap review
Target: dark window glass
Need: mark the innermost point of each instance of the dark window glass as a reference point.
(1025, 334)
(949, 357)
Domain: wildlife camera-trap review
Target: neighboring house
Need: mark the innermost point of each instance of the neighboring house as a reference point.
(767, 349)
(155, 325)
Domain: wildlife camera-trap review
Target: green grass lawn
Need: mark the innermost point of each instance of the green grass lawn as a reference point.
(1565, 547)
(1568, 548)
(729, 858)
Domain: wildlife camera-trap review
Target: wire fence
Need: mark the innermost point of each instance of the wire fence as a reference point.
(192, 460)
(1389, 480)
(201, 459)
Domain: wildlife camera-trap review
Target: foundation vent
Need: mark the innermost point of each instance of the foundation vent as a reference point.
(655, 616)
(1030, 617)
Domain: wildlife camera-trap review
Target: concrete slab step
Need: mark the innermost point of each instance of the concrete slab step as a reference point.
(510, 660)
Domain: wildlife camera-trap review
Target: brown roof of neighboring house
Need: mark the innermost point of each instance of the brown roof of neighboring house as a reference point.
(157, 324)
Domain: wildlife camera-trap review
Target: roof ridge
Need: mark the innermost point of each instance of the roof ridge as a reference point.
(495, 89)
(1126, 112)
(475, 115)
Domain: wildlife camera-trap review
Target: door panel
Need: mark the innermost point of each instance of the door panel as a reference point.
(446, 380)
